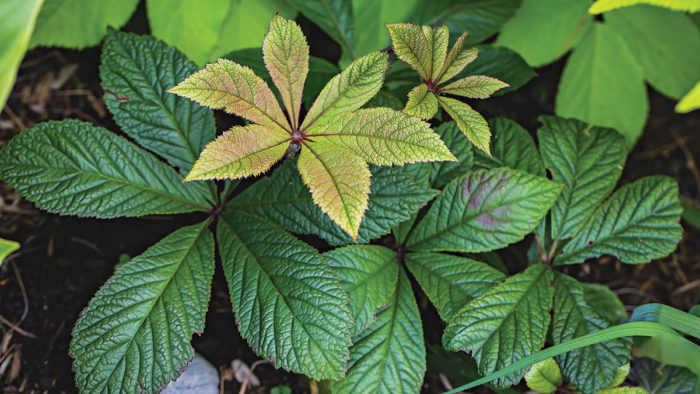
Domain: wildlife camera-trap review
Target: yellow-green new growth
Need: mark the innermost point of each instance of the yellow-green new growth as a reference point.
(425, 49)
(337, 139)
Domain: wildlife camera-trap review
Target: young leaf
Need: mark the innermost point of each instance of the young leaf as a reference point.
(638, 223)
(484, 210)
(475, 86)
(288, 303)
(140, 69)
(6, 248)
(587, 160)
(421, 103)
(458, 58)
(511, 146)
(472, 124)
(74, 168)
(507, 323)
(501, 63)
(544, 376)
(135, 334)
(412, 46)
(590, 368)
(451, 281)
(389, 356)
(369, 274)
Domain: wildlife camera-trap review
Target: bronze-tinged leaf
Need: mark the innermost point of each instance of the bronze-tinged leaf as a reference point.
(456, 60)
(421, 103)
(475, 86)
(438, 39)
(472, 124)
(411, 46)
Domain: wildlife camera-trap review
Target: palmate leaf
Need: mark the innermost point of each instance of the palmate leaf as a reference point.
(507, 323)
(638, 223)
(511, 146)
(74, 168)
(289, 305)
(135, 334)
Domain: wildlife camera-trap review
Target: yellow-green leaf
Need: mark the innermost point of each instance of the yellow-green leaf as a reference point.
(472, 124)
(348, 90)
(411, 46)
(383, 136)
(475, 86)
(240, 152)
(544, 376)
(691, 101)
(236, 89)
(339, 182)
(421, 102)
(6, 247)
(437, 39)
(601, 6)
(286, 56)
(456, 60)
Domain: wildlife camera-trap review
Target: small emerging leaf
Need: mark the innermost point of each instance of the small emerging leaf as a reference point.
(472, 124)
(475, 86)
(421, 103)
(456, 60)
(544, 376)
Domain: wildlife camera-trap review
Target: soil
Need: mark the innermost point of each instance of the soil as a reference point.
(64, 260)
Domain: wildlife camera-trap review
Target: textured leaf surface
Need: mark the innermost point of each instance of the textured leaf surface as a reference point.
(141, 69)
(638, 223)
(587, 160)
(369, 274)
(602, 84)
(475, 86)
(484, 210)
(75, 168)
(442, 172)
(237, 90)
(501, 63)
(389, 356)
(451, 281)
(383, 136)
(135, 333)
(288, 303)
(544, 376)
(286, 56)
(507, 323)
(284, 199)
(661, 41)
(590, 368)
(664, 379)
(421, 103)
(414, 47)
(511, 146)
(458, 58)
(472, 124)
(605, 302)
(334, 17)
(677, 5)
(240, 152)
(348, 90)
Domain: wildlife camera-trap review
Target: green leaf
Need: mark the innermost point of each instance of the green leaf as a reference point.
(472, 124)
(601, 6)
(660, 41)
(484, 210)
(283, 199)
(14, 37)
(6, 248)
(421, 103)
(587, 160)
(602, 84)
(389, 356)
(543, 31)
(451, 281)
(544, 376)
(369, 274)
(413, 44)
(501, 63)
(288, 303)
(79, 23)
(638, 223)
(456, 60)
(658, 378)
(334, 17)
(507, 323)
(442, 172)
(371, 17)
(691, 101)
(135, 334)
(620, 375)
(691, 214)
(605, 302)
(511, 146)
(475, 86)
(75, 168)
(590, 368)
(139, 70)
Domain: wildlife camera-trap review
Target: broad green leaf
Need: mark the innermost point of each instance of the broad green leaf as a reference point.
(660, 41)
(511, 146)
(475, 86)
(421, 103)
(369, 274)
(78, 23)
(484, 210)
(472, 124)
(638, 223)
(289, 305)
(544, 376)
(458, 58)
(139, 70)
(74, 168)
(370, 19)
(442, 172)
(240, 152)
(605, 302)
(590, 368)
(543, 30)
(659, 378)
(339, 182)
(14, 37)
(671, 350)
(383, 136)
(507, 323)
(587, 161)
(691, 101)
(602, 84)
(385, 98)
(237, 90)
(389, 356)
(601, 6)
(451, 281)
(286, 56)
(501, 63)
(348, 90)
(334, 17)
(412, 46)
(6, 248)
(284, 199)
(135, 334)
